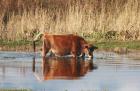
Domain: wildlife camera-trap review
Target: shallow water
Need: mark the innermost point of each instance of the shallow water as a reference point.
(106, 72)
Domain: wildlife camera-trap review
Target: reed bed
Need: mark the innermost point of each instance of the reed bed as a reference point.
(96, 20)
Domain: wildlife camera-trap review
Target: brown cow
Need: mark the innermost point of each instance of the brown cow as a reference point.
(62, 45)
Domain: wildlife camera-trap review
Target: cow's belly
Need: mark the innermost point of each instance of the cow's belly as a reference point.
(61, 52)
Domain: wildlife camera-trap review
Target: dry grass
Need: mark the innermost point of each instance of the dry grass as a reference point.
(93, 19)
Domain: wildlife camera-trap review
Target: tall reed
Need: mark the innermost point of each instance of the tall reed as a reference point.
(93, 19)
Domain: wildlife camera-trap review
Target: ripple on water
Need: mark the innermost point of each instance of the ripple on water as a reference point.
(108, 70)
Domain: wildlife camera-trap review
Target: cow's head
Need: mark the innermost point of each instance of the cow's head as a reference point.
(90, 48)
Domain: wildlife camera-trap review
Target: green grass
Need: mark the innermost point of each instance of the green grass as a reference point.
(101, 45)
(121, 44)
(14, 43)
(17, 43)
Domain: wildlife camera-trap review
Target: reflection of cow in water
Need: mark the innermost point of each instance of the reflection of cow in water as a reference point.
(64, 68)
(62, 45)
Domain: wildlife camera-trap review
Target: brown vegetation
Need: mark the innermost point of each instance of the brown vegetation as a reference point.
(93, 19)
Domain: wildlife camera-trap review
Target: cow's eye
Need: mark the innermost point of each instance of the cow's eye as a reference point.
(91, 49)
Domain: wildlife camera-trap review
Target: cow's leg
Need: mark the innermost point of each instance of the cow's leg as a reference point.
(52, 54)
(73, 53)
(74, 50)
(90, 55)
(45, 48)
(82, 55)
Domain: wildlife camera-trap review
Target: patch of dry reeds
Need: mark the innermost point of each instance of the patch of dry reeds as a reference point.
(93, 19)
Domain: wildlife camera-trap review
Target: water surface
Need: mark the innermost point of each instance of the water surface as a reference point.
(106, 72)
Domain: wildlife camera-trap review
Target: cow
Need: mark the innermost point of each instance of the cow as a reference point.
(62, 45)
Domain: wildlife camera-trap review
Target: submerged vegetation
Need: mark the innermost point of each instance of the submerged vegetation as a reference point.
(95, 20)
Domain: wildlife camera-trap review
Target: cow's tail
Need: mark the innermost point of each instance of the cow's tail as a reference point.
(35, 39)
(34, 46)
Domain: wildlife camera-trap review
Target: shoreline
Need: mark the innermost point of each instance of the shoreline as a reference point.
(121, 47)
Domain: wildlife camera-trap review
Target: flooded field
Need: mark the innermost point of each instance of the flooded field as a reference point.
(106, 72)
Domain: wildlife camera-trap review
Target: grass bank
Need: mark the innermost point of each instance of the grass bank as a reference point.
(121, 44)
(18, 45)
(24, 45)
